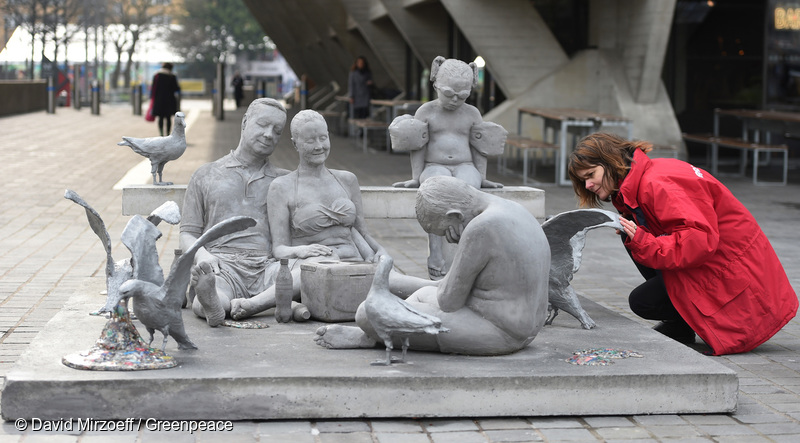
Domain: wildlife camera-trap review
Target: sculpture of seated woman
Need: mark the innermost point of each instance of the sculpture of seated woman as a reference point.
(315, 213)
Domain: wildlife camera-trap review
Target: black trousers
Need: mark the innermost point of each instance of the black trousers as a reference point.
(361, 112)
(650, 299)
(164, 121)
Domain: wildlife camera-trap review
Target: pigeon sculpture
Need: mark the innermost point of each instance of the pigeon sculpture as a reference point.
(122, 270)
(158, 307)
(160, 150)
(390, 316)
(566, 233)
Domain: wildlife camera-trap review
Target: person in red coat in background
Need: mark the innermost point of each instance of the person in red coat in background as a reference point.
(710, 269)
(165, 92)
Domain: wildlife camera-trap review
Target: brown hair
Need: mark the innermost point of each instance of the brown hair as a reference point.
(355, 63)
(610, 151)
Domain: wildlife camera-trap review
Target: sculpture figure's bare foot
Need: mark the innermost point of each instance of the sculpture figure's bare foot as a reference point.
(343, 337)
(436, 269)
(206, 292)
(162, 183)
(240, 308)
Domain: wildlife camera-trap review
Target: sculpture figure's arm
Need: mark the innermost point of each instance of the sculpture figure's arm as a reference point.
(192, 220)
(360, 226)
(470, 259)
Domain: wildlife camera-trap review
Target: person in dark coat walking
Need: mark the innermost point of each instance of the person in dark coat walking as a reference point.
(164, 92)
(238, 88)
(359, 84)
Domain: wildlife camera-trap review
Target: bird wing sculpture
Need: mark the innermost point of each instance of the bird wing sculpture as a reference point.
(116, 272)
(140, 236)
(391, 316)
(566, 233)
(158, 307)
(160, 150)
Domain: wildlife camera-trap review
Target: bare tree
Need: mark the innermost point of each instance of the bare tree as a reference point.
(134, 17)
(26, 14)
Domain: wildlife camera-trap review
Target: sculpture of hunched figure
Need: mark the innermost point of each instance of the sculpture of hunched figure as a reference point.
(448, 137)
(493, 300)
(315, 213)
(239, 265)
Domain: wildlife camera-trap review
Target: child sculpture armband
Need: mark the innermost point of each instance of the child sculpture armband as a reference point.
(408, 134)
(488, 138)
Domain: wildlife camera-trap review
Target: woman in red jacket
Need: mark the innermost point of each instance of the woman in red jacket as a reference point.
(709, 267)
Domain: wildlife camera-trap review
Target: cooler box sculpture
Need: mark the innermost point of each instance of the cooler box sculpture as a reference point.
(332, 290)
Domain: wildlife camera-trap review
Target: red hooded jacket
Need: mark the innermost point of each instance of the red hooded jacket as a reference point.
(719, 268)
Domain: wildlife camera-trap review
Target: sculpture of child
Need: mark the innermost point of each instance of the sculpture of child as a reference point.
(448, 137)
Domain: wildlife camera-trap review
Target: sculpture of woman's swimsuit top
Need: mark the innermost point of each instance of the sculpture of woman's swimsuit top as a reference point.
(312, 218)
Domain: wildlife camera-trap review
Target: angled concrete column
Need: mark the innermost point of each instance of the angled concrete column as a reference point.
(511, 36)
(319, 19)
(386, 41)
(645, 45)
(280, 34)
(353, 42)
(622, 76)
(315, 57)
(337, 59)
(422, 25)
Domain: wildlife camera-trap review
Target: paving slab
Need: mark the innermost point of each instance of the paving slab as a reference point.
(280, 373)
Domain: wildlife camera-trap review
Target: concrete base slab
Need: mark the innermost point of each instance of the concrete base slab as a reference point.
(280, 373)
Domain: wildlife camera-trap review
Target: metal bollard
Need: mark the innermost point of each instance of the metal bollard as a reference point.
(51, 96)
(76, 94)
(214, 98)
(95, 97)
(136, 96)
(220, 87)
(303, 94)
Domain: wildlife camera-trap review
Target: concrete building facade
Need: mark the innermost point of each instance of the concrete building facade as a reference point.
(616, 68)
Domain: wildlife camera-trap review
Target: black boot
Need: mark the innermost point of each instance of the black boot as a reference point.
(677, 330)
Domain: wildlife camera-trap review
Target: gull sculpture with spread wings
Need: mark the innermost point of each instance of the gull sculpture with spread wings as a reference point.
(566, 233)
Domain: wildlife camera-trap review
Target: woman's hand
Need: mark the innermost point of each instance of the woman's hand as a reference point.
(313, 250)
(628, 227)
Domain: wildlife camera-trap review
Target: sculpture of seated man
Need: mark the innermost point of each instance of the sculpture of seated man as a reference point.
(316, 213)
(240, 265)
(454, 145)
(494, 299)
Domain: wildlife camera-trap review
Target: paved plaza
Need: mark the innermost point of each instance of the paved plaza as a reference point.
(48, 252)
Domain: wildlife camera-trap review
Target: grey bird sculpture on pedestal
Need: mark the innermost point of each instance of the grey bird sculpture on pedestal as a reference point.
(160, 150)
(158, 307)
(566, 233)
(390, 316)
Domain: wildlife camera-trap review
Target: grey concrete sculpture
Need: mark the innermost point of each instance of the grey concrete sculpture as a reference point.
(566, 234)
(121, 271)
(120, 347)
(494, 298)
(160, 150)
(448, 137)
(158, 307)
(116, 272)
(391, 317)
